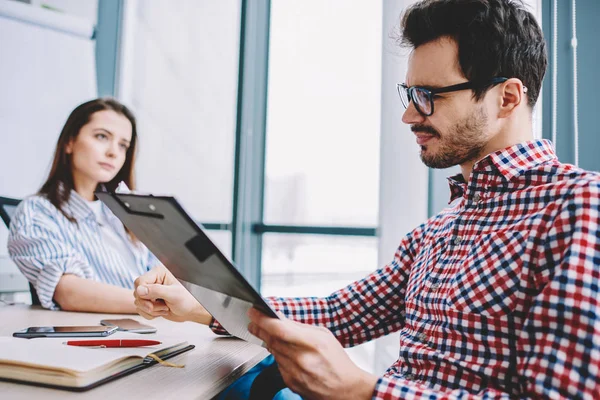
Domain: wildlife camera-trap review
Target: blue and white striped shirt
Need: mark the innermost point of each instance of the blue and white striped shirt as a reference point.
(45, 245)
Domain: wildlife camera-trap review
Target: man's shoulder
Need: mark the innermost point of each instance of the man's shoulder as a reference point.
(564, 176)
(573, 186)
(586, 187)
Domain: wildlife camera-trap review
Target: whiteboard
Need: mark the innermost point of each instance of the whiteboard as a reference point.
(47, 68)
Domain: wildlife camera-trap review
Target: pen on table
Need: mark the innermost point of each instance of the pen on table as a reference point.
(113, 343)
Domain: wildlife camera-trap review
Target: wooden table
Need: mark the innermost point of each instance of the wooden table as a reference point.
(215, 363)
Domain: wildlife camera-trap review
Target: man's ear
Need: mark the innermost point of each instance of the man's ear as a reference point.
(512, 93)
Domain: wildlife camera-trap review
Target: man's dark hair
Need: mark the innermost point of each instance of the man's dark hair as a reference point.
(494, 37)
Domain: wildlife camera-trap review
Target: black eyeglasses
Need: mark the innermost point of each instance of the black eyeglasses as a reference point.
(422, 97)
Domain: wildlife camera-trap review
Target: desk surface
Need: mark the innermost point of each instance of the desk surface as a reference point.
(210, 367)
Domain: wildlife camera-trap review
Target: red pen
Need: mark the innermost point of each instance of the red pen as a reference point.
(113, 342)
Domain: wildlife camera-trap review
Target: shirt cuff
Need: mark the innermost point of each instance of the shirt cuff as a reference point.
(217, 328)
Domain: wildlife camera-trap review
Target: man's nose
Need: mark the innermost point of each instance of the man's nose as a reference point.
(411, 116)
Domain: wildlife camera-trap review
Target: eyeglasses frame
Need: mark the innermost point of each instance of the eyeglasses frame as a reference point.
(453, 88)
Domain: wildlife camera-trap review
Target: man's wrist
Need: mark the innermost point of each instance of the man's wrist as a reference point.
(365, 386)
(201, 316)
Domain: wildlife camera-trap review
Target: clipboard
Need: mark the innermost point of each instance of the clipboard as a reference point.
(181, 244)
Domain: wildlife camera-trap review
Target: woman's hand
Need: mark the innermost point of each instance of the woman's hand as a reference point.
(159, 294)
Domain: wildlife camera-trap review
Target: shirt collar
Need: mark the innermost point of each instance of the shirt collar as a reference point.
(508, 163)
(457, 186)
(78, 207)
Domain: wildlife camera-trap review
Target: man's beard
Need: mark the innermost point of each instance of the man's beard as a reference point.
(463, 142)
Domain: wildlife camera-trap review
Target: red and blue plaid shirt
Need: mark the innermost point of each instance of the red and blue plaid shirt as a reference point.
(497, 296)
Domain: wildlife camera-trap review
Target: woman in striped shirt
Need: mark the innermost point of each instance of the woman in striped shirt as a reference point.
(75, 252)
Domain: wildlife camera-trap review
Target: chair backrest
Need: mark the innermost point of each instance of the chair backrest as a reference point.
(7, 210)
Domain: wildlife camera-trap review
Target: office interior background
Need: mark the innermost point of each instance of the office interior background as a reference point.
(275, 123)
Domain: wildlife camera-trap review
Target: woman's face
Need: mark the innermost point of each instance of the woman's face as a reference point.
(100, 149)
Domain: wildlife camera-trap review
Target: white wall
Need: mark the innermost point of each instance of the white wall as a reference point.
(47, 69)
(403, 182)
(535, 6)
(86, 9)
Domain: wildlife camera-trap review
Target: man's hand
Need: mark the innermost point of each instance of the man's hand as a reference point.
(311, 360)
(159, 294)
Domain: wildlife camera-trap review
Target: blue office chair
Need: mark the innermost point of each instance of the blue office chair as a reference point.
(7, 210)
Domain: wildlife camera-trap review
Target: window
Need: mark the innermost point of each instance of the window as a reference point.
(574, 81)
(322, 153)
(179, 75)
(314, 265)
(322, 149)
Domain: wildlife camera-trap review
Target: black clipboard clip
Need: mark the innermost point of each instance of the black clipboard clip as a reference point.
(130, 208)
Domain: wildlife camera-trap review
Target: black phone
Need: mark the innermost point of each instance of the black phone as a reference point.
(65, 331)
(129, 325)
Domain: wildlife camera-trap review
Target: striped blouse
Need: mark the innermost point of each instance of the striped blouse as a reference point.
(45, 245)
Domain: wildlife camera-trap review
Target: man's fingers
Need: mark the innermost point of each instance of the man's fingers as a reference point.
(145, 315)
(286, 369)
(153, 308)
(160, 302)
(271, 329)
(155, 291)
(259, 333)
(280, 347)
(152, 276)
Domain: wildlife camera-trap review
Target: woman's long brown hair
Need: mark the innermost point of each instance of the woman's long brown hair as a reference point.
(59, 184)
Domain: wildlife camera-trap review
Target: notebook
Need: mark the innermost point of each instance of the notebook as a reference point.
(50, 363)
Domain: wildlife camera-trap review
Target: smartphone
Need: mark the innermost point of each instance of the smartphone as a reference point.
(65, 331)
(129, 325)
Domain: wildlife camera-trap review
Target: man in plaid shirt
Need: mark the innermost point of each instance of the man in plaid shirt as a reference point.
(495, 297)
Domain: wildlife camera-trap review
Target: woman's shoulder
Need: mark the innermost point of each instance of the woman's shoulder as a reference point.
(34, 207)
